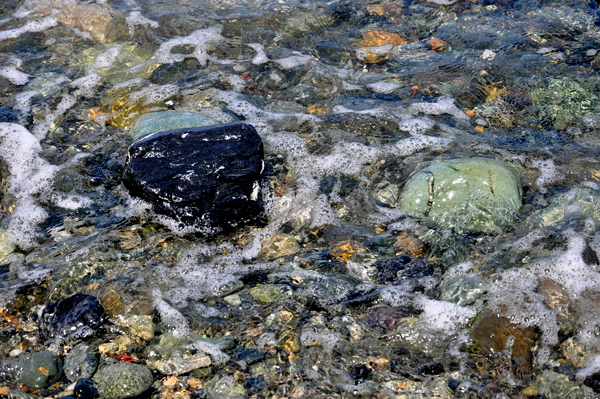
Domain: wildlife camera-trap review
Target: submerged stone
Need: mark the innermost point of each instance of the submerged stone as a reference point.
(38, 369)
(123, 380)
(463, 290)
(204, 176)
(168, 120)
(78, 316)
(473, 194)
(81, 362)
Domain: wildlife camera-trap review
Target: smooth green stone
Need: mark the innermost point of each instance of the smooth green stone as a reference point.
(39, 369)
(265, 293)
(168, 120)
(472, 194)
(123, 380)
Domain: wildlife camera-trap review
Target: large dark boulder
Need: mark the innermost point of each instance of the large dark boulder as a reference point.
(203, 176)
(78, 316)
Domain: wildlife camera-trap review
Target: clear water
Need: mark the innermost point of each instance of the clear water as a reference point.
(347, 116)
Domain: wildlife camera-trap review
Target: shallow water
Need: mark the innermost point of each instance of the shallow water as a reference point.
(341, 293)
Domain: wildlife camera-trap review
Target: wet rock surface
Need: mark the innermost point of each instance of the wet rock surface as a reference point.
(38, 369)
(207, 176)
(80, 363)
(78, 316)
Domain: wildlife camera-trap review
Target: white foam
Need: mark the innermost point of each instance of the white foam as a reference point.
(260, 57)
(31, 26)
(417, 125)
(154, 94)
(443, 2)
(326, 339)
(383, 87)
(444, 105)
(237, 82)
(592, 366)
(293, 61)
(199, 38)
(442, 315)
(217, 355)
(136, 18)
(106, 58)
(29, 175)
(548, 175)
(14, 76)
(71, 201)
(171, 317)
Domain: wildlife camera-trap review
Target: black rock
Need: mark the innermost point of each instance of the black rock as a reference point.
(85, 389)
(207, 176)
(593, 381)
(402, 268)
(78, 316)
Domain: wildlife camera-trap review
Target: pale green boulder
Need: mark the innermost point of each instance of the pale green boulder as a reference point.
(471, 194)
(168, 120)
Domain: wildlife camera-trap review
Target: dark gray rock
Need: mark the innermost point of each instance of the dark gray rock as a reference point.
(85, 389)
(123, 380)
(78, 316)
(81, 362)
(38, 369)
(207, 176)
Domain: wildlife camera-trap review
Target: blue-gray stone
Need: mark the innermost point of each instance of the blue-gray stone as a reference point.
(168, 120)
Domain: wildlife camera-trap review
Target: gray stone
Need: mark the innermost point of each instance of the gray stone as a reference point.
(168, 120)
(39, 369)
(81, 362)
(472, 194)
(123, 380)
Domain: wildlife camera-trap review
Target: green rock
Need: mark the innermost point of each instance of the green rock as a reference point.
(39, 369)
(123, 380)
(265, 293)
(473, 194)
(167, 120)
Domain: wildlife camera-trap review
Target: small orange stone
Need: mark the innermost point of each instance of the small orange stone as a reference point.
(194, 383)
(4, 390)
(381, 38)
(470, 112)
(313, 109)
(437, 44)
(479, 128)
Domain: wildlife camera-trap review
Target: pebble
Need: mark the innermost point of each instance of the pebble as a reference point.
(38, 369)
(123, 380)
(80, 362)
(85, 388)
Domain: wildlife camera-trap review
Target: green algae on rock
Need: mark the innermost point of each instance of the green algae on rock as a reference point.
(168, 120)
(472, 194)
